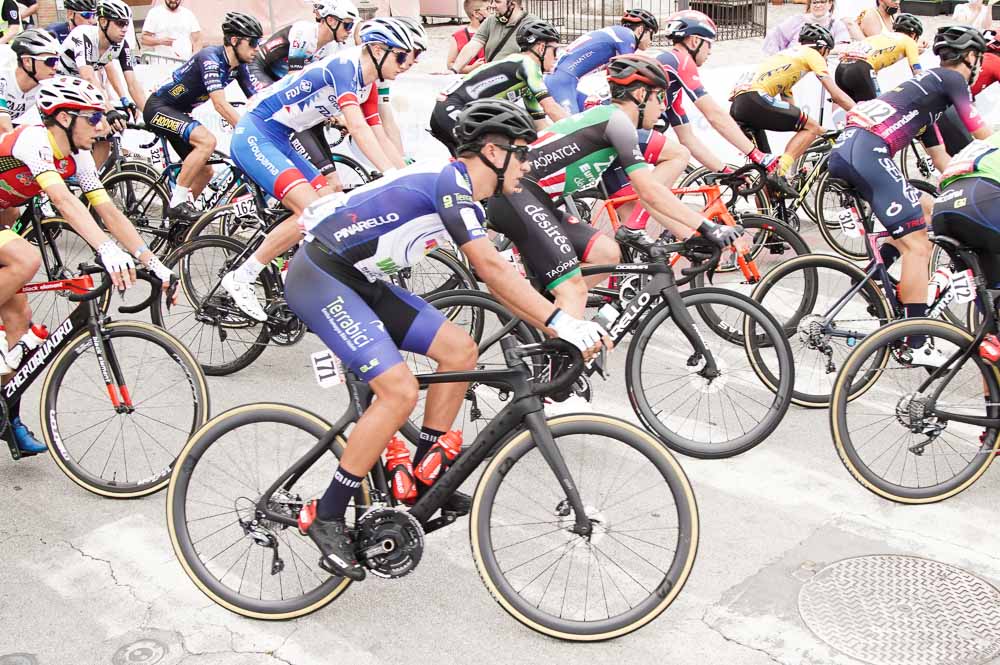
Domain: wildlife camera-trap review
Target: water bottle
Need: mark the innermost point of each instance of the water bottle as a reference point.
(30, 341)
(989, 349)
(606, 316)
(439, 457)
(400, 469)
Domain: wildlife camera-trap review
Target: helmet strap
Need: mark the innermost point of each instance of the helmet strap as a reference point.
(499, 171)
(69, 132)
(974, 67)
(693, 53)
(30, 72)
(378, 63)
(641, 105)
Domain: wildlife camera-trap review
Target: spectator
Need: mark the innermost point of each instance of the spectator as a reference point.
(476, 11)
(496, 34)
(28, 10)
(975, 13)
(10, 18)
(171, 30)
(786, 33)
(397, 8)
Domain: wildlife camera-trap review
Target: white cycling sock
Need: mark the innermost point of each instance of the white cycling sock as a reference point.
(248, 272)
(179, 196)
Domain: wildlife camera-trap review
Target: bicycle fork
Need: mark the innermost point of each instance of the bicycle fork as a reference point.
(689, 328)
(540, 432)
(107, 361)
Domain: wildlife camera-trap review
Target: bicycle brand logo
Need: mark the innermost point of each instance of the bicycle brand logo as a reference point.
(38, 358)
(631, 312)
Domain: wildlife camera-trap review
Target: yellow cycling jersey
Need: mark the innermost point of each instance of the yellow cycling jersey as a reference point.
(778, 74)
(884, 49)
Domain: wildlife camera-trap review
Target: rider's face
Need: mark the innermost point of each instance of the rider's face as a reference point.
(85, 134)
(116, 30)
(244, 51)
(42, 70)
(516, 169)
(655, 106)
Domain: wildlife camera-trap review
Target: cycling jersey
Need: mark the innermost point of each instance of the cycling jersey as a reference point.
(684, 77)
(29, 161)
(979, 159)
(82, 49)
(394, 222)
(779, 73)
(320, 91)
(883, 50)
(288, 50)
(594, 49)
(516, 76)
(206, 72)
(571, 154)
(989, 74)
(906, 111)
(14, 101)
(60, 29)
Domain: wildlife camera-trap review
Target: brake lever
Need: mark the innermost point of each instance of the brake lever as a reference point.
(172, 291)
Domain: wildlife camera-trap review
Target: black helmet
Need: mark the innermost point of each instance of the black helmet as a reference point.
(241, 25)
(908, 23)
(952, 41)
(533, 32)
(816, 35)
(492, 116)
(636, 16)
(81, 5)
(626, 72)
(35, 41)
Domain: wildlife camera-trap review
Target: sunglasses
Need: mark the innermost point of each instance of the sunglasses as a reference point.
(93, 118)
(520, 152)
(50, 61)
(401, 56)
(87, 15)
(252, 41)
(121, 24)
(347, 26)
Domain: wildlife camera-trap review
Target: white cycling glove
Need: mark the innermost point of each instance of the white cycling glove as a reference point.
(162, 272)
(114, 258)
(581, 334)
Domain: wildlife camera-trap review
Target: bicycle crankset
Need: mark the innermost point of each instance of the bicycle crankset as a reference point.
(389, 542)
(285, 328)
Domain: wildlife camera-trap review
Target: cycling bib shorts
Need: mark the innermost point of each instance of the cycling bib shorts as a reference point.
(263, 150)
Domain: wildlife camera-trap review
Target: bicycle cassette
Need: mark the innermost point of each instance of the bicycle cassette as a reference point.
(389, 542)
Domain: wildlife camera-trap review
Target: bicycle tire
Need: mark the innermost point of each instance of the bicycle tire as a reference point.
(853, 248)
(504, 471)
(348, 165)
(763, 326)
(414, 278)
(81, 347)
(144, 201)
(912, 164)
(989, 379)
(184, 545)
(197, 321)
(811, 390)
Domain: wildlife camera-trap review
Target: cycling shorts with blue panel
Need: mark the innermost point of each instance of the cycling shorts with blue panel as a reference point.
(263, 150)
(563, 88)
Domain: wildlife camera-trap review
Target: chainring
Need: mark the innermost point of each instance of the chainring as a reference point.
(389, 542)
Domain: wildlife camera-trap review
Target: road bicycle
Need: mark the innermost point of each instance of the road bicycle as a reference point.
(922, 433)
(119, 399)
(582, 527)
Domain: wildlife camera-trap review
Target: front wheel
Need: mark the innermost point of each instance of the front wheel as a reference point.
(576, 587)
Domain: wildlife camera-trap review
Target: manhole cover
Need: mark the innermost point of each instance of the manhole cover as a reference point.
(891, 610)
(18, 659)
(141, 652)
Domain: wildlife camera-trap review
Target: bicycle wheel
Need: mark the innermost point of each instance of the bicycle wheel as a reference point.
(914, 162)
(844, 238)
(801, 294)
(959, 314)
(813, 158)
(441, 272)
(569, 586)
(224, 545)
(350, 172)
(114, 451)
(144, 201)
(693, 412)
(205, 318)
(885, 439)
(744, 205)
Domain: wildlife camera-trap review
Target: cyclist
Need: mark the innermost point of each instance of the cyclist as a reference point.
(693, 34)
(879, 128)
(990, 71)
(762, 100)
(337, 285)
(78, 12)
(595, 49)
(203, 77)
(861, 61)
(37, 158)
(37, 57)
(338, 86)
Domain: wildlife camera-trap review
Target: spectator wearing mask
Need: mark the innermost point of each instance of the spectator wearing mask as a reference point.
(171, 30)
(496, 34)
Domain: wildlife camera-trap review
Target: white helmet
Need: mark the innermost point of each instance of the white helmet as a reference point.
(341, 9)
(115, 10)
(68, 93)
(417, 33)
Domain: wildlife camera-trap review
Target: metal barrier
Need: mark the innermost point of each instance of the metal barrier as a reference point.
(148, 58)
(736, 19)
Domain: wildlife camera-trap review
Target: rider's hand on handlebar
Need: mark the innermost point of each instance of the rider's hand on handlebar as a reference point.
(765, 159)
(720, 234)
(587, 336)
(165, 275)
(118, 264)
(117, 119)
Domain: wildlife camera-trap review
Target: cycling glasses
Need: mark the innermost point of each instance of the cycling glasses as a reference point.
(87, 15)
(121, 24)
(50, 61)
(252, 41)
(520, 152)
(401, 56)
(93, 117)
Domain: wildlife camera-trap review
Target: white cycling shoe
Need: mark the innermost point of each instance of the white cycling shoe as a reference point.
(572, 404)
(929, 355)
(244, 296)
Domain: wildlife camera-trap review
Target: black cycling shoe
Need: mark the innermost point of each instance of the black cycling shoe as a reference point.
(334, 541)
(780, 185)
(636, 238)
(458, 503)
(184, 212)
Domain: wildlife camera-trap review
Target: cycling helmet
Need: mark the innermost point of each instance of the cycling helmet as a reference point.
(389, 31)
(535, 32)
(68, 93)
(689, 23)
(992, 41)
(421, 42)
(637, 16)
(626, 72)
(955, 40)
(35, 41)
(492, 116)
(238, 24)
(114, 10)
(81, 5)
(908, 23)
(816, 35)
(340, 9)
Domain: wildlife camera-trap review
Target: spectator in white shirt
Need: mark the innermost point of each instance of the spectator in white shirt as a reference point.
(171, 30)
(975, 13)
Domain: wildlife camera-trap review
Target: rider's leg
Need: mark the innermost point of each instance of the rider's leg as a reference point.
(194, 173)
(454, 350)
(669, 159)
(19, 261)
(798, 144)
(571, 295)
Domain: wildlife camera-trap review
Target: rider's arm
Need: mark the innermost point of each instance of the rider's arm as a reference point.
(368, 142)
(89, 74)
(553, 110)
(870, 23)
(503, 281)
(224, 108)
(702, 153)
(389, 128)
(6, 123)
(538, 98)
(135, 90)
(723, 123)
(957, 90)
(115, 78)
(839, 97)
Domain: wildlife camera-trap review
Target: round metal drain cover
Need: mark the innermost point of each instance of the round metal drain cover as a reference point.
(901, 610)
(142, 652)
(18, 659)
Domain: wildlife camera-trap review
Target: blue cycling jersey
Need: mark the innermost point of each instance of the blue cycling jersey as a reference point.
(60, 29)
(206, 72)
(394, 222)
(595, 49)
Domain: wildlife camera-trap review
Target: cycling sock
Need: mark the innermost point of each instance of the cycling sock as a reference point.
(638, 219)
(249, 271)
(428, 437)
(333, 505)
(785, 163)
(179, 196)
(913, 310)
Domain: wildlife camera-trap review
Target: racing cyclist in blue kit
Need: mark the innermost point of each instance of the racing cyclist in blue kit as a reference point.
(204, 77)
(337, 285)
(340, 86)
(594, 50)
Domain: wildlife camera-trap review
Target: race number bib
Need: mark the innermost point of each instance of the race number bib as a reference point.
(245, 206)
(328, 369)
(870, 113)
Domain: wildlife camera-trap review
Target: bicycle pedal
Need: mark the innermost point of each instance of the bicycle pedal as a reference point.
(447, 517)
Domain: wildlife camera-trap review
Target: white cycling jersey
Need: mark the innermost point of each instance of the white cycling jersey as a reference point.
(14, 101)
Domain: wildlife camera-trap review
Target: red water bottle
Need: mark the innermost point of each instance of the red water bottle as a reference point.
(400, 469)
(439, 457)
(989, 349)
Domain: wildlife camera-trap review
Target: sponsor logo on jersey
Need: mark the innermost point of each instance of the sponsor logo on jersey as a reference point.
(563, 267)
(543, 160)
(346, 327)
(902, 122)
(166, 122)
(387, 266)
(582, 59)
(358, 226)
(540, 216)
(25, 178)
(951, 194)
(477, 89)
(306, 86)
(177, 90)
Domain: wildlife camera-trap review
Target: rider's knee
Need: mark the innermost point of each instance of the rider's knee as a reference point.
(401, 392)
(604, 251)
(465, 352)
(25, 264)
(203, 139)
